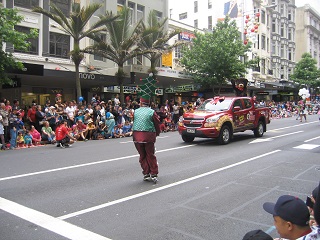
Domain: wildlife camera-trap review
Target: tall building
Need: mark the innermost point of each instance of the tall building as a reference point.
(268, 24)
(48, 69)
(308, 32)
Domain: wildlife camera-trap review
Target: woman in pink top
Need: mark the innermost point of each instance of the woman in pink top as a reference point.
(36, 136)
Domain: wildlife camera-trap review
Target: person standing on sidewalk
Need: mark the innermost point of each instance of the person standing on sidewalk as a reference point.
(146, 127)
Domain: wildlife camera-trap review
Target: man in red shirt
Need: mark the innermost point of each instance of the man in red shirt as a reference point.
(31, 115)
(63, 135)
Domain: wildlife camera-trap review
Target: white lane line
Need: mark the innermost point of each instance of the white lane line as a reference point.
(48, 222)
(259, 140)
(307, 146)
(298, 125)
(70, 215)
(309, 140)
(87, 164)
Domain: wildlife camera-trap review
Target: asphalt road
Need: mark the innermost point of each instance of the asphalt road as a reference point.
(94, 190)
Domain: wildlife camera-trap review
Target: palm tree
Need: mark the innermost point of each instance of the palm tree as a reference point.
(155, 38)
(76, 25)
(121, 45)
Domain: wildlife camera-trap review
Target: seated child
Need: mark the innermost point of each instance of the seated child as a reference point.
(28, 139)
(117, 133)
(20, 140)
(127, 129)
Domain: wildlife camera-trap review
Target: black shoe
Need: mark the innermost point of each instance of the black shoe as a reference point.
(146, 177)
(67, 145)
(61, 145)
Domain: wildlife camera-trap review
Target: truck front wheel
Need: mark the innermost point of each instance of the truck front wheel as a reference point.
(225, 135)
(187, 138)
(259, 130)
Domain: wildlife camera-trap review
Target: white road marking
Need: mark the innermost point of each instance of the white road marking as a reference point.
(88, 164)
(258, 140)
(48, 222)
(307, 146)
(309, 140)
(70, 215)
(298, 125)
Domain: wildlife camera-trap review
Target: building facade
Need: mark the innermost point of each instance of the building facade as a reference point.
(273, 38)
(48, 69)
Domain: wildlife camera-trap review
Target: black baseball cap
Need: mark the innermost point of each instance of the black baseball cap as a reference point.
(257, 235)
(289, 208)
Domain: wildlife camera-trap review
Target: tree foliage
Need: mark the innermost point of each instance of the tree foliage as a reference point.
(76, 25)
(8, 19)
(215, 57)
(306, 72)
(155, 38)
(121, 45)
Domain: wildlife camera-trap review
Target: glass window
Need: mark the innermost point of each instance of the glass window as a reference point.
(34, 44)
(26, 3)
(183, 16)
(59, 45)
(158, 15)
(103, 37)
(195, 6)
(178, 52)
(247, 103)
(210, 22)
(140, 12)
(263, 42)
(209, 4)
(195, 24)
(139, 60)
(63, 5)
(102, 10)
(263, 17)
(131, 7)
(237, 103)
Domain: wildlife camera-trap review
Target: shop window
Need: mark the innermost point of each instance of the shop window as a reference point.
(34, 44)
(26, 3)
(59, 45)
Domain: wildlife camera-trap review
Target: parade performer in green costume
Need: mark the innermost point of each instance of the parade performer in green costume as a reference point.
(146, 127)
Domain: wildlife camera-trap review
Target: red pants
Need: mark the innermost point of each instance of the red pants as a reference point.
(148, 160)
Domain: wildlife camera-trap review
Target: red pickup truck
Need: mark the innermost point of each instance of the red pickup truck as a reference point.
(220, 117)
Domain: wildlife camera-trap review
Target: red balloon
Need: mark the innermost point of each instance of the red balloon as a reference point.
(258, 14)
(247, 16)
(245, 42)
(252, 30)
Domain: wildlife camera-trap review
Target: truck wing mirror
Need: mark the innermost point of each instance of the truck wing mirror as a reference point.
(236, 108)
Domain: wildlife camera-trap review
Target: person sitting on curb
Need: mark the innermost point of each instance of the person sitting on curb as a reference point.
(63, 136)
(80, 130)
(291, 218)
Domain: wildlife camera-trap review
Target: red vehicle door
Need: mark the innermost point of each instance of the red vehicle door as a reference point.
(239, 116)
(250, 113)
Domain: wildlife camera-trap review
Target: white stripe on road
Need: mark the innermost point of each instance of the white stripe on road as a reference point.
(298, 125)
(87, 164)
(309, 140)
(48, 222)
(163, 187)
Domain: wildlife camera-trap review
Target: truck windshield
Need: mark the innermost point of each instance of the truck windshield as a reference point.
(209, 105)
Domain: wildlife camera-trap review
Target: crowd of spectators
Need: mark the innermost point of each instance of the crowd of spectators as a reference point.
(99, 119)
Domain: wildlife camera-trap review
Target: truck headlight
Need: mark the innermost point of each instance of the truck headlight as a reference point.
(213, 119)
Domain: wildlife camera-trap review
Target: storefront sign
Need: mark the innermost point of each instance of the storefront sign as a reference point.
(182, 88)
(168, 72)
(87, 76)
(129, 89)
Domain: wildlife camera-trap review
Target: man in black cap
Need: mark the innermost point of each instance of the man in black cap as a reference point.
(291, 218)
